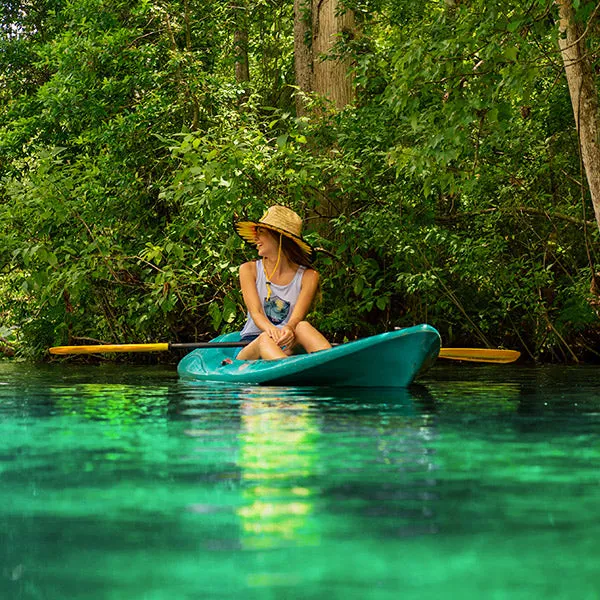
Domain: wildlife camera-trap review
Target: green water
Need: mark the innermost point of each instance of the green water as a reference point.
(120, 483)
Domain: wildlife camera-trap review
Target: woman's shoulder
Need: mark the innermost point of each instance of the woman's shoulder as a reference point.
(248, 267)
(310, 274)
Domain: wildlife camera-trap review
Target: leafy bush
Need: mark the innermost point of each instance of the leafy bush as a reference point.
(448, 193)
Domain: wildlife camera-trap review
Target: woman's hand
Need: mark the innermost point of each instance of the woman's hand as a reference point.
(273, 332)
(287, 336)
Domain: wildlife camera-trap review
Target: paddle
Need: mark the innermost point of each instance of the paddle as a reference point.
(490, 355)
(468, 354)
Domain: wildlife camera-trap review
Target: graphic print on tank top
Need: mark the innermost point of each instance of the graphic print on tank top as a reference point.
(276, 309)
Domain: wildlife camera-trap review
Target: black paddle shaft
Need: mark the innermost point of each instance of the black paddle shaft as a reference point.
(192, 345)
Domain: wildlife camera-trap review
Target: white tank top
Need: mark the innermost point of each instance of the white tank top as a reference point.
(280, 305)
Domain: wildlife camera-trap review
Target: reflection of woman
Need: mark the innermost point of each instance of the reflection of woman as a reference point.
(278, 458)
(279, 288)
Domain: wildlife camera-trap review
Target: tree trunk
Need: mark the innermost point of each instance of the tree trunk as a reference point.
(242, 67)
(584, 96)
(321, 23)
(240, 47)
(331, 74)
(303, 58)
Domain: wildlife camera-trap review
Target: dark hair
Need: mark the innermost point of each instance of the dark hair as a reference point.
(294, 252)
(290, 248)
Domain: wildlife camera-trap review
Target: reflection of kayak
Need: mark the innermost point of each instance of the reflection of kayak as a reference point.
(391, 359)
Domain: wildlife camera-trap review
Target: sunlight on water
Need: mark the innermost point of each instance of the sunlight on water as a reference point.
(127, 483)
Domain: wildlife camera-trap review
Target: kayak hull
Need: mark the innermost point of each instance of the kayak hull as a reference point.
(390, 359)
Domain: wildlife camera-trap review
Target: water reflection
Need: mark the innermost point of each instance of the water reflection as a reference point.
(544, 400)
(370, 451)
(309, 460)
(486, 396)
(111, 402)
(385, 476)
(278, 460)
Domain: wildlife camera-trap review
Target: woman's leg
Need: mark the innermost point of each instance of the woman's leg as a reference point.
(262, 347)
(311, 339)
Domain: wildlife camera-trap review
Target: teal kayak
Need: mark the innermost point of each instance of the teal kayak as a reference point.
(390, 359)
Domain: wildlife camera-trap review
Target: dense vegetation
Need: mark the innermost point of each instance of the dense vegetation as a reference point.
(450, 192)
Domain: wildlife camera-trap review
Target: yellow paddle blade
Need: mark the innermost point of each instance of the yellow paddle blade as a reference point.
(109, 348)
(490, 355)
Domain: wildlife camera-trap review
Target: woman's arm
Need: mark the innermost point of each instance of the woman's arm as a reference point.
(253, 302)
(308, 290)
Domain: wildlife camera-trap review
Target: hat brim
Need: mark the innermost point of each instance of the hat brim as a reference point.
(247, 231)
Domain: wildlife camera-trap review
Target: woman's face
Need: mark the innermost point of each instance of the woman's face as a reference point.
(266, 242)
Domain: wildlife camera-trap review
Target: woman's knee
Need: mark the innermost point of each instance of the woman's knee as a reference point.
(310, 338)
(268, 347)
(264, 339)
(266, 343)
(303, 327)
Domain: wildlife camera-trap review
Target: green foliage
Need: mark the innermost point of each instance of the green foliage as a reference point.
(446, 193)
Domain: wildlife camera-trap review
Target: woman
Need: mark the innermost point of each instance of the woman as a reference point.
(278, 288)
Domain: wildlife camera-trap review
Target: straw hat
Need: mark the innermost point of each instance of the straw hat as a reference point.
(281, 220)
